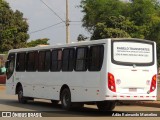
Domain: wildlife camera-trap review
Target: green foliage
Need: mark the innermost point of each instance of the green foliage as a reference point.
(113, 27)
(13, 28)
(96, 11)
(158, 53)
(81, 37)
(115, 18)
(34, 43)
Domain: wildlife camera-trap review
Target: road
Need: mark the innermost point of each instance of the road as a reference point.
(10, 103)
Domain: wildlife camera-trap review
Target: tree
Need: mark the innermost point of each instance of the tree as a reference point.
(34, 43)
(116, 18)
(146, 16)
(96, 11)
(81, 37)
(138, 18)
(113, 27)
(13, 28)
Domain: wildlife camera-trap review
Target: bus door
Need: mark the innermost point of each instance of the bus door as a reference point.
(10, 65)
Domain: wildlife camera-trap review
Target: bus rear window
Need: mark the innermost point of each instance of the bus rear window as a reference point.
(132, 52)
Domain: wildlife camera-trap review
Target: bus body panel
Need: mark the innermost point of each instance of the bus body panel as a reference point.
(80, 87)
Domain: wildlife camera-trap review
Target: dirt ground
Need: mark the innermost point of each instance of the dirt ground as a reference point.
(2, 87)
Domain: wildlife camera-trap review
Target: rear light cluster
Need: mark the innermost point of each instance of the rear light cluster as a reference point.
(153, 83)
(111, 82)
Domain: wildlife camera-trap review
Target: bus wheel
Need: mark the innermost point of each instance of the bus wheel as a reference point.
(66, 99)
(21, 98)
(106, 105)
(54, 102)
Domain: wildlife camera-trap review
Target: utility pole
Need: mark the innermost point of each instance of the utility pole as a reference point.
(67, 23)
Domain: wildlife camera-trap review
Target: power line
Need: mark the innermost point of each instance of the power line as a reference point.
(50, 27)
(52, 11)
(45, 28)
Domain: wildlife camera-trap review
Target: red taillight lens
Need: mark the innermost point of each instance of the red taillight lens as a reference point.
(153, 83)
(111, 82)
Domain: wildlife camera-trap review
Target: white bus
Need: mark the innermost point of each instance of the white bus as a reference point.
(100, 72)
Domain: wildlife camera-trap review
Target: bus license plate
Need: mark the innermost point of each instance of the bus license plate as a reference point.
(132, 89)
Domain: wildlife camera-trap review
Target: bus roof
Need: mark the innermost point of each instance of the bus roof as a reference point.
(82, 43)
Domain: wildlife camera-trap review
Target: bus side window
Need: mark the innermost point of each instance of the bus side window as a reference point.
(36, 60)
(96, 57)
(59, 60)
(71, 59)
(56, 60)
(68, 59)
(81, 59)
(44, 60)
(41, 61)
(20, 62)
(32, 60)
(47, 60)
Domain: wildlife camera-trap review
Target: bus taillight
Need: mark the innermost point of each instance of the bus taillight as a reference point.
(153, 83)
(111, 82)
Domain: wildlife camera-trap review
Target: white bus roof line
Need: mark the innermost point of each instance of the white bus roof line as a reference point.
(101, 41)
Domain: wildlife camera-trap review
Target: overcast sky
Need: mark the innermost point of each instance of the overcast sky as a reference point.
(39, 17)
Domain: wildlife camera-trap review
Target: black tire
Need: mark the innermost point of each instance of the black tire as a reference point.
(106, 105)
(21, 98)
(66, 99)
(54, 102)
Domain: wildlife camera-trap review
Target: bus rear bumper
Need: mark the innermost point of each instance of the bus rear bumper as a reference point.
(131, 97)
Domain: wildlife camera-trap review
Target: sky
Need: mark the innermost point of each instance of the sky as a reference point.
(39, 16)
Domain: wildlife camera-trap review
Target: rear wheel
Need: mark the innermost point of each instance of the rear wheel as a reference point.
(21, 98)
(66, 99)
(106, 105)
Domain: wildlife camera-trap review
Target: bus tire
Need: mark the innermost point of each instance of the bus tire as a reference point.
(21, 98)
(106, 105)
(54, 102)
(66, 99)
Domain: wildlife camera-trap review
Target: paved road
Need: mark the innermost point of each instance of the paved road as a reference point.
(10, 103)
